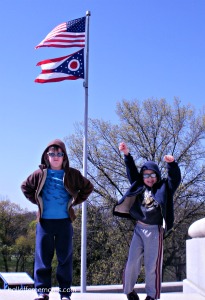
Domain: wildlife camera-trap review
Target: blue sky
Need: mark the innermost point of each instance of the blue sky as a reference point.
(138, 49)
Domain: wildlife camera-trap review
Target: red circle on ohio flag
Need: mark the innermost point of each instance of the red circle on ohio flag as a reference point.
(74, 65)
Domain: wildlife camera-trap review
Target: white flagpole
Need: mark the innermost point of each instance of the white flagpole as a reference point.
(84, 205)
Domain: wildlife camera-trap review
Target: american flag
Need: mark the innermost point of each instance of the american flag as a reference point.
(68, 67)
(66, 35)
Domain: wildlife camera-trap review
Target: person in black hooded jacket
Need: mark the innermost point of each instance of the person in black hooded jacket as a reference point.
(149, 201)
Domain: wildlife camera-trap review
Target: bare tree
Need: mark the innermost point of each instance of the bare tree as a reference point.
(151, 129)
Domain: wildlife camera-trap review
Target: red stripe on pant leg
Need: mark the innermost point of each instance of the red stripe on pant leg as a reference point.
(158, 264)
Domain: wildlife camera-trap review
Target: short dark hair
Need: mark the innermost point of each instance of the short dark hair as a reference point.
(54, 148)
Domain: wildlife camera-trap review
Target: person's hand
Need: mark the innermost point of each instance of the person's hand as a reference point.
(72, 214)
(168, 158)
(123, 147)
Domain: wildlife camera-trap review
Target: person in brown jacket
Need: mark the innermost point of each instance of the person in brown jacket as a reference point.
(55, 187)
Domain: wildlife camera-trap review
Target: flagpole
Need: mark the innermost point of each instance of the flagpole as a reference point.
(84, 205)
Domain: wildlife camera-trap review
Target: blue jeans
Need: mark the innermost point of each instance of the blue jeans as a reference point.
(51, 235)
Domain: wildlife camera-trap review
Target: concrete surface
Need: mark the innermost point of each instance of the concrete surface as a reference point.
(195, 266)
(197, 229)
(167, 287)
(31, 294)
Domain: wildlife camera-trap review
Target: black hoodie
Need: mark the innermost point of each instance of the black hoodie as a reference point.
(162, 191)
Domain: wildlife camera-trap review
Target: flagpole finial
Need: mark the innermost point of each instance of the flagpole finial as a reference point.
(88, 13)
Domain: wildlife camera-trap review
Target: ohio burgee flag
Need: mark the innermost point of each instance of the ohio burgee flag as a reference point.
(69, 67)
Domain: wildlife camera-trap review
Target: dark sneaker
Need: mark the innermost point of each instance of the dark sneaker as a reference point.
(133, 296)
(42, 297)
(149, 298)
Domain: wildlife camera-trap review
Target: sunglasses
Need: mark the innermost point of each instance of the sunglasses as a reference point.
(52, 154)
(152, 175)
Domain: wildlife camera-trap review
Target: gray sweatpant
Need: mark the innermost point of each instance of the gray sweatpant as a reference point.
(147, 241)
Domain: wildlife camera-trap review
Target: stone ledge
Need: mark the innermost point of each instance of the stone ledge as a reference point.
(30, 295)
(190, 287)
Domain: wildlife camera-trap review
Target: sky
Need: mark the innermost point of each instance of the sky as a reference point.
(138, 49)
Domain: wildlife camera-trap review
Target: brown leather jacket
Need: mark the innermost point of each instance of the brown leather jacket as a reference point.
(78, 186)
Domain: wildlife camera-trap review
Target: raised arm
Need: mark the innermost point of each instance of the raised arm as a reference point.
(131, 169)
(174, 173)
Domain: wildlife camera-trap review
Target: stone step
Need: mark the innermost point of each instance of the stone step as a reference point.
(31, 294)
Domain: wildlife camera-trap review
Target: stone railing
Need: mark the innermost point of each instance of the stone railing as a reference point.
(195, 259)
